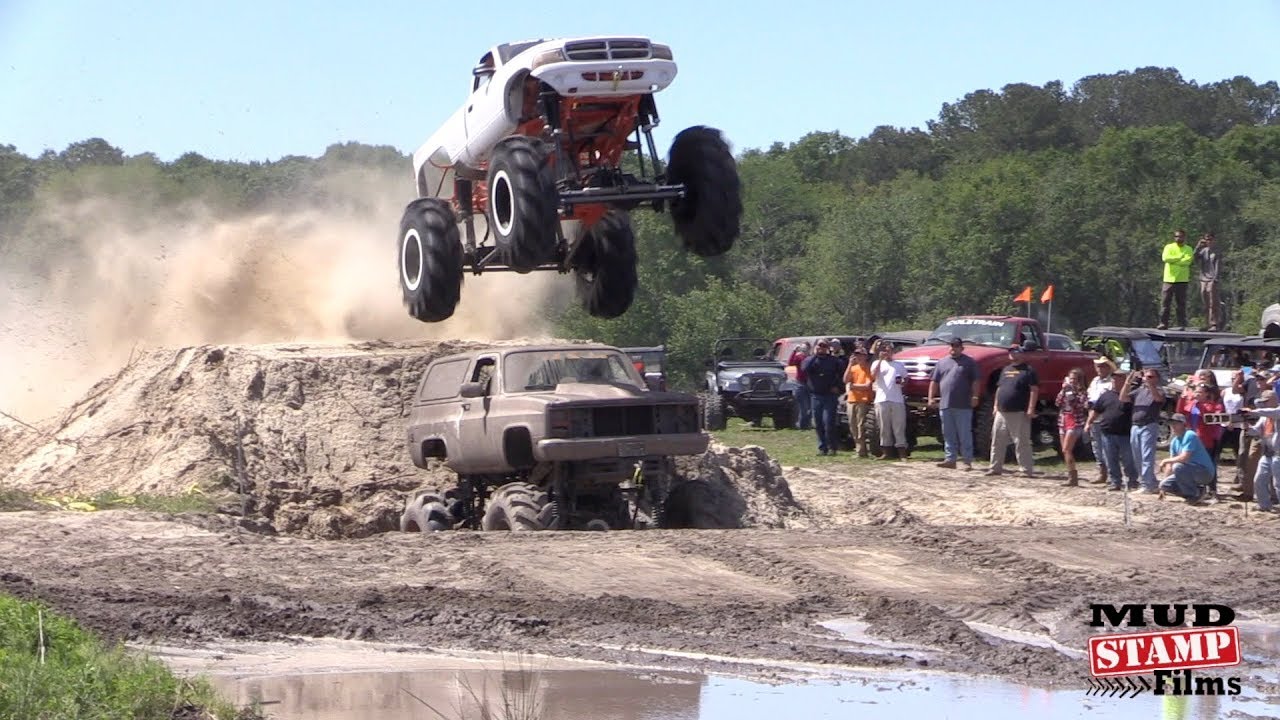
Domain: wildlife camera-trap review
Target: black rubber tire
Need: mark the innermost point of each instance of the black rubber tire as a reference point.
(783, 419)
(708, 218)
(517, 506)
(523, 203)
(983, 417)
(871, 429)
(426, 513)
(605, 267)
(713, 417)
(430, 260)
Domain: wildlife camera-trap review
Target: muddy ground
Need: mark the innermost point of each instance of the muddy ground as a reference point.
(304, 545)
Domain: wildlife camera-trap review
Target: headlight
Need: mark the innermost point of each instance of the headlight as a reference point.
(547, 57)
(662, 52)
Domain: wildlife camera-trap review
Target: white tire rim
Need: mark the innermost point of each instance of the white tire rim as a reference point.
(500, 182)
(411, 236)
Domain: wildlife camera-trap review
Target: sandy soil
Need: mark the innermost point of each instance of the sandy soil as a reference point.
(932, 561)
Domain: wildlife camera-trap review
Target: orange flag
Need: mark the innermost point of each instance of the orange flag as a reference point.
(1024, 296)
(1047, 296)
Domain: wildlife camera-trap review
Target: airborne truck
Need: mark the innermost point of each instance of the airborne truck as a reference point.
(529, 174)
(987, 340)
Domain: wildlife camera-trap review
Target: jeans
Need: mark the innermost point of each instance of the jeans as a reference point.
(1099, 450)
(1119, 454)
(1266, 481)
(1012, 427)
(1186, 480)
(824, 421)
(1142, 440)
(804, 407)
(957, 434)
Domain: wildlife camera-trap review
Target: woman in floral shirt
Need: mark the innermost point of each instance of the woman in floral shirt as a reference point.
(1073, 410)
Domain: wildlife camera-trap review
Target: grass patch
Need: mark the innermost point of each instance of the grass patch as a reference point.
(51, 668)
(12, 500)
(800, 447)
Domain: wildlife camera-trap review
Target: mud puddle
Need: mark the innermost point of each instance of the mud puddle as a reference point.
(349, 680)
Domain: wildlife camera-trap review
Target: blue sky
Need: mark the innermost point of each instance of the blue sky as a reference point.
(232, 79)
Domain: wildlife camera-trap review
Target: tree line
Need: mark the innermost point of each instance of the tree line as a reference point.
(1028, 185)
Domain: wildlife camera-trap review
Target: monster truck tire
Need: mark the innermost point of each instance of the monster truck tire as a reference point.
(430, 260)
(713, 417)
(523, 204)
(983, 416)
(517, 506)
(606, 267)
(871, 430)
(694, 505)
(708, 218)
(426, 513)
(784, 419)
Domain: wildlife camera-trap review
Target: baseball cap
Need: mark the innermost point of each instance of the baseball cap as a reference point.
(1178, 418)
(956, 342)
(1267, 397)
(824, 343)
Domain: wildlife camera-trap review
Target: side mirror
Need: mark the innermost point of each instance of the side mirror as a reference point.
(472, 390)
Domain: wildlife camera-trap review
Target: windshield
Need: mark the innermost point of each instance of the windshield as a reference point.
(975, 331)
(651, 361)
(1222, 357)
(543, 370)
(1147, 352)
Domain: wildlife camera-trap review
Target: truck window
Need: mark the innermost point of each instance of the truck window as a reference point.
(443, 380)
(1031, 333)
(483, 374)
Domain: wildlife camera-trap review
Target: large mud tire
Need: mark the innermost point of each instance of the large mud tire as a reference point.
(519, 506)
(708, 218)
(713, 416)
(606, 267)
(694, 505)
(871, 429)
(430, 260)
(426, 513)
(523, 207)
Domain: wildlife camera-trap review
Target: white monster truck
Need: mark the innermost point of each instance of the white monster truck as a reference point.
(538, 153)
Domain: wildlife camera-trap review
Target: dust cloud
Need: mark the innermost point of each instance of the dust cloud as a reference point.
(119, 279)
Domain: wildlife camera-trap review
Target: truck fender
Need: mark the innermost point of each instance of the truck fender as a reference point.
(428, 448)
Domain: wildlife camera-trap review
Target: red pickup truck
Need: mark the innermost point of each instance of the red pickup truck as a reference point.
(987, 340)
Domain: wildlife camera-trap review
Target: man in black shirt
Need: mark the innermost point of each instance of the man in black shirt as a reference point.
(825, 376)
(1112, 411)
(1017, 393)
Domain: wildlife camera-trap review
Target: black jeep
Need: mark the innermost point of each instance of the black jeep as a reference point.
(742, 381)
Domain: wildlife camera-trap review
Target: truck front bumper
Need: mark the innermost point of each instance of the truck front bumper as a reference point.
(628, 446)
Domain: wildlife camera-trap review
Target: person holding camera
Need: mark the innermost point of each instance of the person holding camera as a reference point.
(1266, 481)
(1113, 413)
(1073, 411)
(891, 407)
(1208, 261)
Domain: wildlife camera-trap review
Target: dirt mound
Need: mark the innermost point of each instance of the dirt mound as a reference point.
(295, 439)
(747, 487)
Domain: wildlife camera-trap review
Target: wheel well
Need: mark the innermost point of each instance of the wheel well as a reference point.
(434, 448)
(517, 447)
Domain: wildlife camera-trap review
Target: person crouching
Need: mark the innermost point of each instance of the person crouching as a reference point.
(1188, 471)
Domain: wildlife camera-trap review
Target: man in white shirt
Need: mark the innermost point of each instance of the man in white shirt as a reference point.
(891, 408)
(1100, 384)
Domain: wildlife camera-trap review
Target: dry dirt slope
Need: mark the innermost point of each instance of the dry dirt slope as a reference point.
(297, 439)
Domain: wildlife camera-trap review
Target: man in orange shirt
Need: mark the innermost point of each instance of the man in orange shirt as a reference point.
(857, 379)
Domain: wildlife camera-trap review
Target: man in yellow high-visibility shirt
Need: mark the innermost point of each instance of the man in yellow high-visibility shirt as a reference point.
(1177, 257)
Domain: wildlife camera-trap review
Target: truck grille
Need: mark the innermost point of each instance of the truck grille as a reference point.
(607, 50)
(919, 367)
(761, 383)
(626, 420)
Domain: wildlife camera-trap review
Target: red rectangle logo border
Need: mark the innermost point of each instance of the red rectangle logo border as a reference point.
(1235, 641)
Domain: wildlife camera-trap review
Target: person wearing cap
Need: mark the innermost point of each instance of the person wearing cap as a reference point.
(1266, 479)
(1177, 257)
(1188, 470)
(824, 375)
(1102, 382)
(1017, 393)
(891, 407)
(1113, 413)
(955, 388)
(859, 383)
(804, 403)
(1148, 400)
(1208, 261)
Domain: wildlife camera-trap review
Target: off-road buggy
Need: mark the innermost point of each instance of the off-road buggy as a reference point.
(541, 166)
(742, 381)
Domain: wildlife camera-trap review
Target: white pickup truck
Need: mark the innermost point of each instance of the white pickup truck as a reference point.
(534, 159)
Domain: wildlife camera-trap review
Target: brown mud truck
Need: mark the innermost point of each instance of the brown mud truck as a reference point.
(550, 437)
(987, 339)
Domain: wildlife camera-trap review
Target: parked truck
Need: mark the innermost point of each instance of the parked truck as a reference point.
(987, 339)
